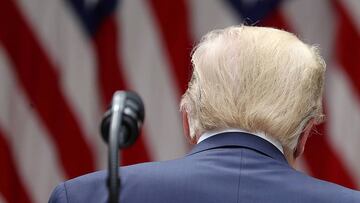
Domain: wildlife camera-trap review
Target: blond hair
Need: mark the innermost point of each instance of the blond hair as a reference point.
(257, 79)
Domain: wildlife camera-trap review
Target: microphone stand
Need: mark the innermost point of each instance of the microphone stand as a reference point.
(119, 128)
(117, 135)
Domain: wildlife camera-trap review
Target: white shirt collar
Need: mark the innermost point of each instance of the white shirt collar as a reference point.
(262, 135)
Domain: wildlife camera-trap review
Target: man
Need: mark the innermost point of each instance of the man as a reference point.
(254, 96)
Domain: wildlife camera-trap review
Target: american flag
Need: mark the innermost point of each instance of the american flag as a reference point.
(61, 60)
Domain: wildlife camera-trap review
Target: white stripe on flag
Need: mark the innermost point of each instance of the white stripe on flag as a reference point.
(2, 200)
(313, 21)
(69, 47)
(33, 151)
(344, 118)
(209, 16)
(353, 9)
(152, 78)
(42, 16)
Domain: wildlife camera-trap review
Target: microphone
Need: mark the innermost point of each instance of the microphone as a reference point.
(119, 128)
(132, 113)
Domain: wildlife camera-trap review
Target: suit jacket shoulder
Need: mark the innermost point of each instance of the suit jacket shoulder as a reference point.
(225, 168)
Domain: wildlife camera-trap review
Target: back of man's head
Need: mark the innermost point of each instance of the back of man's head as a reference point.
(257, 79)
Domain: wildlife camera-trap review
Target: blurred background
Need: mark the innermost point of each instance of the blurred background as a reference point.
(61, 60)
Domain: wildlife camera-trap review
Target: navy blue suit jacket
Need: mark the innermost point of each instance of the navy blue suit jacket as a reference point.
(225, 168)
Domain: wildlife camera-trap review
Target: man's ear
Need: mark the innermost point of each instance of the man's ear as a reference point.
(300, 147)
(186, 128)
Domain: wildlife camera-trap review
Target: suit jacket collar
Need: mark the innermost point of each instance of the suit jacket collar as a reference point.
(239, 139)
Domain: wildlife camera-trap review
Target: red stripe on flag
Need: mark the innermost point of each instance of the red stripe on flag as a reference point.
(111, 79)
(109, 67)
(324, 162)
(11, 187)
(321, 159)
(172, 17)
(38, 78)
(347, 46)
(275, 19)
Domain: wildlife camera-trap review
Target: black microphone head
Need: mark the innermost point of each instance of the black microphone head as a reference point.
(105, 124)
(133, 114)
